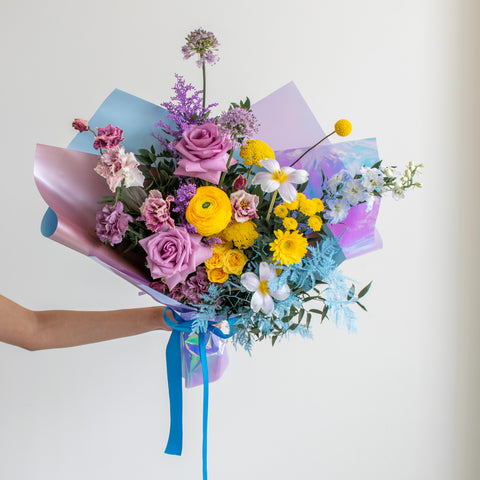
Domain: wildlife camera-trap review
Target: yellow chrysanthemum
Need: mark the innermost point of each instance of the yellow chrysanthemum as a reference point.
(290, 223)
(288, 247)
(319, 204)
(315, 223)
(255, 151)
(234, 261)
(243, 235)
(217, 275)
(293, 205)
(281, 211)
(308, 207)
(209, 211)
(301, 198)
(343, 128)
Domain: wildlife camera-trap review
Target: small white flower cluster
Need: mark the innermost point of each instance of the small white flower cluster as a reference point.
(343, 190)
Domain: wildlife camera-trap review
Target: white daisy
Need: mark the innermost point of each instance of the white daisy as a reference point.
(262, 297)
(280, 178)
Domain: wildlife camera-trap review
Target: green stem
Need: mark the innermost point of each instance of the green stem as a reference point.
(204, 84)
(311, 148)
(272, 202)
(222, 178)
(249, 172)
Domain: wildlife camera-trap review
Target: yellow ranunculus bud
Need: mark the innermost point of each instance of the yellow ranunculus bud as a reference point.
(343, 128)
(209, 211)
(217, 275)
(234, 261)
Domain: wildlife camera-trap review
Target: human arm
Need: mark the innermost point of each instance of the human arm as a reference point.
(37, 330)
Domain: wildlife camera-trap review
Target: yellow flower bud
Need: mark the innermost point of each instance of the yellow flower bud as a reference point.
(343, 128)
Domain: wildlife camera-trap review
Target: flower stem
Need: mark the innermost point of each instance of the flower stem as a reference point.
(311, 148)
(272, 202)
(204, 84)
(222, 178)
(249, 172)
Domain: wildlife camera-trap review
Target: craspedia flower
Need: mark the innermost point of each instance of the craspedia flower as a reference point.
(288, 247)
(243, 235)
(204, 43)
(290, 223)
(255, 151)
(315, 223)
(343, 128)
(209, 211)
(281, 211)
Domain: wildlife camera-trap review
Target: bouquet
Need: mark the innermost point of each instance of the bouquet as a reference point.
(237, 221)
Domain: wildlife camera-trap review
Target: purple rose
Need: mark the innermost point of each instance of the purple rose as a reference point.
(173, 253)
(244, 206)
(204, 151)
(108, 137)
(112, 223)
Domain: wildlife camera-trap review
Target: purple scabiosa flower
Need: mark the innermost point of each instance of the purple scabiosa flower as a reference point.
(108, 137)
(112, 223)
(203, 43)
(196, 286)
(239, 124)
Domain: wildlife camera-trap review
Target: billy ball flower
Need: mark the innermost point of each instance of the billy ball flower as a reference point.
(209, 211)
(343, 128)
(288, 247)
(280, 178)
(262, 298)
(255, 151)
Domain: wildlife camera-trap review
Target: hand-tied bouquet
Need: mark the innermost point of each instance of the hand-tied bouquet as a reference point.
(213, 222)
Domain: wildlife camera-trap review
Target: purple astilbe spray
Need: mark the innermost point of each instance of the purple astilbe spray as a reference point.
(239, 124)
(203, 43)
(184, 108)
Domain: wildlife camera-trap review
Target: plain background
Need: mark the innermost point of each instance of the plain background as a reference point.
(399, 400)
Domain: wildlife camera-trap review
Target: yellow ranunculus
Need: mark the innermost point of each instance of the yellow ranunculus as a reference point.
(209, 211)
(234, 261)
(217, 275)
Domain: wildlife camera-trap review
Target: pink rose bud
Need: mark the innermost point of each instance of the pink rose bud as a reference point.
(80, 125)
(240, 183)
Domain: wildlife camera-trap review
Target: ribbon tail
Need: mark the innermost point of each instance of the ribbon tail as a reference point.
(203, 360)
(174, 375)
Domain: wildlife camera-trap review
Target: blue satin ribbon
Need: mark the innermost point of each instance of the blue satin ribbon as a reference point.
(174, 375)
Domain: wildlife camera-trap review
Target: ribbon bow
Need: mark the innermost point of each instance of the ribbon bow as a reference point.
(174, 376)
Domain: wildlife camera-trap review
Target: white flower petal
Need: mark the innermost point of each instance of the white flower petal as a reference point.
(261, 177)
(270, 185)
(287, 191)
(256, 302)
(266, 271)
(270, 164)
(250, 281)
(297, 176)
(267, 307)
(282, 293)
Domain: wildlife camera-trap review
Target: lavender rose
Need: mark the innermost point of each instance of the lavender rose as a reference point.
(204, 151)
(244, 206)
(112, 223)
(173, 253)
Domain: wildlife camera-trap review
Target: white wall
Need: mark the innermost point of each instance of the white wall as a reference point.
(398, 400)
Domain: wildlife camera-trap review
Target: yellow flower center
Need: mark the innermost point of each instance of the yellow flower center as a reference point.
(263, 287)
(279, 175)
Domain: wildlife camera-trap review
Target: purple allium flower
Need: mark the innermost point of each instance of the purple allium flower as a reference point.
(239, 124)
(112, 223)
(204, 44)
(185, 108)
(196, 286)
(108, 137)
(155, 211)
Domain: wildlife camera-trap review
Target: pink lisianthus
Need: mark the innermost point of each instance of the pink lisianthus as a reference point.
(108, 137)
(115, 166)
(112, 223)
(204, 151)
(244, 206)
(80, 125)
(173, 253)
(155, 211)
